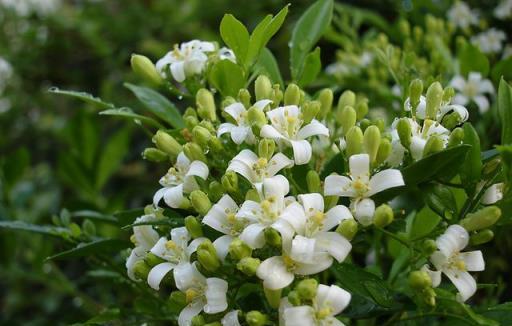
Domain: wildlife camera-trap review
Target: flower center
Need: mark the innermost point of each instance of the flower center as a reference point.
(260, 166)
(324, 312)
(471, 89)
(192, 294)
(289, 263)
(360, 187)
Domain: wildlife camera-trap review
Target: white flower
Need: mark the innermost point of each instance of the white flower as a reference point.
(287, 129)
(446, 108)
(489, 41)
(145, 238)
(328, 302)
(503, 10)
(230, 319)
(493, 194)
(225, 53)
(474, 89)
(202, 294)
(176, 252)
(313, 225)
(461, 15)
(267, 213)
(179, 180)
(359, 186)
(455, 264)
(255, 169)
(186, 60)
(241, 131)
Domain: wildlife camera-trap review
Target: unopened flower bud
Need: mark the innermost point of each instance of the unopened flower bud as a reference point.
(255, 318)
(154, 155)
(145, 69)
(201, 136)
(193, 227)
(277, 95)
(434, 99)
(325, 97)
(272, 237)
(166, 143)
(451, 120)
(354, 140)
(152, 260)
(383, 215)
(364, 123)
(141, 270)
(257, 119)
(198, 321)
(481, 219)
(215, 323)
(330, 202)
(294, 298)
(215, 145)
(419, 280)
(206, 105)
(491, 166)
(347, 228)
(191, 122)
(384, 151)
(178, 299)
(200, 202)
(194, 152)
(347, 98)
(307, 288)
(346, 117)
(266, 148)
(230, 181)
(310, 110)
(481, 237)
(262, 88)
(403, 128)
(434, 144)
(313, 181)
(215, 191)
(207, 256)
(239, 249)
(244, 97)
(248, 265)
(404, 27)
(415, 91)
(448, 93)
(292, 95)
(456, 137)
(362, 109)
(371, 142)
(429, 296)
(429, 246)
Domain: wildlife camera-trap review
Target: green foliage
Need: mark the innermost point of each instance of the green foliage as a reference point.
(227, 77)
(505, 111)
(472, 59)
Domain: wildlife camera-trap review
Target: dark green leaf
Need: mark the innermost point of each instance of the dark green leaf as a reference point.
(501, 313)
(15, 165)
(112, 156)
(42, 229)
(93, 215)
(502, 69)
(159, 105)
(173, 222)
(87, 249)
(128, 216)
(472, 167)
(308, 30)
(471, 59)
(424, 222)
(505, 111)
(235, 35)
(128, 113)
(267, 65)
(312, 67)
(86, 97)
(335, 164)
(227, 77)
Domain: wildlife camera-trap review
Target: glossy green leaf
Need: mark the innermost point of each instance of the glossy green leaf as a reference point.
(90, 248)
(235, 35)
(472, 167)
(505, 111)
(157, 104)
(308, 30)
(93, 215)
(312, 67)
(42, 229)
(423, 223)
(267, 65)
(128, 113)
(501, 313)
(112, 156)
(83, 96)
(471, 59)
(227, 77)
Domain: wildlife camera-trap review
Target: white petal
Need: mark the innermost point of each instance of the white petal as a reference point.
(333, 243)
(192, 247)
(250, 210)
(239, 134)
(199, 169)
(295, 216)
(158, 196)
(277, 163)
(190, 184)
(474, 77)
(458, 83)
(473, 260)
(174, 196)
(360, 166)
(286, 231)
(334, 216)
(486, 86)
(182, 162)
(303, 249)
(417, 146)
(268, 131)
(332, 297)
(364, 210)
(190, 311)
(178, 71)
(225, 128)
(274, 273)
(222, 246)
(180, 236)
(460, 99)
(277, 186)
(215, 294)
(186, 276)
(157, 273)
(322, 262)
(338, 185)
(331, 321)
(385, 179)
(145, 236)
(453, 240)
(261, 104)
(312, 203)
(137, 253)
(312, 129)
(301, 151)
(231, 319)
(463, 281)
(435, 276)
(159, 248)
(301, 315)
(461, 111)
(243, 169)
(253, 235)
(246, 156)
(482, 102)
(235, 110)
(493, 194)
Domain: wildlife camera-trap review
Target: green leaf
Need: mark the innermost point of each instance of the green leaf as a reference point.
(113, 154)
(93, 215)
(312, 67)
(157, 104)
(129, 114)
(88, 139)
(235, 35)
(424, 222)
(267, 64)
(472, 167)
(227, 77)
(501, 313)
(87, 249)
(263, 32)
(471, 59)
(505, 111)
(308, 30)
(502, 69)
(42, 229)
(173, 222)
(83, 96)
(128, 216)
(15, 165)
(335, 164)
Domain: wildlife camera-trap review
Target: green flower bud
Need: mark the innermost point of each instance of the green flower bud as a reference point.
(215, 191)
(451, 120)
(294, 298)
(198, 321)
(145, 69)
(273, 297)
(75, 229)
(215, 145)
(201, 136)
(194, 152)
(481, 237)
(380, 123)
(434, 144)
(154, 155)
(239, 249)
(244, 97)
(313, 181)
(363, 124)
(415, 91)
(362, 109)
(346, 118)
(419, 280)
(371, 142)
(266, 148)
(383, 216)
(200, 202)
(248, 265)
(263, 88)
(403, 127)
(255, 318)
(330, 202)
(292, 95)
(257, 119)
(215, 323)
(434, 99)
(191, 122)
(481, 219)
(152, 260)
(310, 110)
(307, 288)
(253, 195)
(347, 228)
(354, 139)
(277, 95)
(272, 237)
(178, 299)
(206, 105)
(429, 296)
(491, 166)
(404, 27)
(207, 256)
(190, 112)
(325, 97)
(193, 227)
(227, 102)
(429, 246)
(230, 181)
(448, 93)
(347, 98)
(384, 151)
(141, 270)
(456, 137)
(166, 143)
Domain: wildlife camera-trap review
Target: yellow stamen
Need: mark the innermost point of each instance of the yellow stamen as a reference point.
(322, 313)
(170, 245)
(191, 294)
